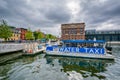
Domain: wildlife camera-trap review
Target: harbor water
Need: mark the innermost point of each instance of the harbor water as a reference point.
(41, 67)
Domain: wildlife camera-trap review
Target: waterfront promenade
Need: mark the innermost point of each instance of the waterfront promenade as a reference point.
(31, 47)
(9, 51)
(10, 47)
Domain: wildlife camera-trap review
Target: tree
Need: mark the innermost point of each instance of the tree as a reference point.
(5, 31)
(38, 35)
(50, 36)
(29, 35)
(35, 35)
(47, 36)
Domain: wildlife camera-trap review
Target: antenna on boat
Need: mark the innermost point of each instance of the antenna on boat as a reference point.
(94, 39)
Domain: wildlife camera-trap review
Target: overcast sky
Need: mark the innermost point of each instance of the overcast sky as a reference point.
(48, 15)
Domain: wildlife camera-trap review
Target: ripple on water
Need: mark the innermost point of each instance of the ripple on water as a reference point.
(73, 75)
(3, 77)
(37, 70)
(113, 72)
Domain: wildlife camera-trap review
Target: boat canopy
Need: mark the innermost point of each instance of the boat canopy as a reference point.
(83, 41)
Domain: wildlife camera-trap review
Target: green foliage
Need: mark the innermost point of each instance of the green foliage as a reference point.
(5, 31)
(35, 35)
(50, 36)
(47, 36)
(29, 35)
(38, 35)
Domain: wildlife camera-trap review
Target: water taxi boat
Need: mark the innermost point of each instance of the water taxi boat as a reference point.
(80, 48)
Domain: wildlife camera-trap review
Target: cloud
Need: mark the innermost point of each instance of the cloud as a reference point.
(48, 15)
(97, 12)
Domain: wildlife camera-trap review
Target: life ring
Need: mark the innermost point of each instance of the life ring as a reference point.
(30, 51)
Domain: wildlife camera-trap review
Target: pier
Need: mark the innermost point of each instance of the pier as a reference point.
(27, 48)
(10, 51)
(10, 47)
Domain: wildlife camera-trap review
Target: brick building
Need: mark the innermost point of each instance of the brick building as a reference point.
(23, 32)
(75, 31)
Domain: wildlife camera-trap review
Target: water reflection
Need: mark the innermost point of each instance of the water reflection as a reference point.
(86, 67)
(41, 67)
(16, 64)
(37, 70)
(30, 59)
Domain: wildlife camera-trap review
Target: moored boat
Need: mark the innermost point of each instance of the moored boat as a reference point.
(32, 49)
(80, 48)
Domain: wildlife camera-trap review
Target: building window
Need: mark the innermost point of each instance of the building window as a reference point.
(100, 37)
(107, 38)
(114, 38)
(74, 31)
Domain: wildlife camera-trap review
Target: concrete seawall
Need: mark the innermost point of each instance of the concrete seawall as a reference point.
(114, 42)
(10, 47)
